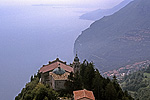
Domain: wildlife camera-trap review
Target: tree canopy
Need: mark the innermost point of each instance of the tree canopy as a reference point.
(137, 84)
(36, 91)
(89, 78)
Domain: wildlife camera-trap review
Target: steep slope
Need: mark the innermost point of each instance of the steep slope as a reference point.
(138, 84)
(97, 14)
(119, 39)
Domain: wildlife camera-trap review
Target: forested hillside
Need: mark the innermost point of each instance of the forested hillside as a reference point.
(138, 84)
(36, 91)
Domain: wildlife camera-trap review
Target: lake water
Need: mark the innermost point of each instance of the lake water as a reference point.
(30, 36)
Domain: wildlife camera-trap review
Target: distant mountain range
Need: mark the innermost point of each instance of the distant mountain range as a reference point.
(117, 40)
(97, 14)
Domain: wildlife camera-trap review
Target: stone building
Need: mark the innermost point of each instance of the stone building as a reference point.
(59, 76)
(55, 74)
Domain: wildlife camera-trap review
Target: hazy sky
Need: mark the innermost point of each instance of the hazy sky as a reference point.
(103, 3)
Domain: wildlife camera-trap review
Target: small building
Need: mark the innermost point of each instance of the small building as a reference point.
(55, 74)
(83, 95)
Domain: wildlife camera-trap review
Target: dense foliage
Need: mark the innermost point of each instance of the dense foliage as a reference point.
(36, 91)
(89, 78)
(138, 84)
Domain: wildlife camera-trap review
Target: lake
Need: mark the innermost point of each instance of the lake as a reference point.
(30, 36)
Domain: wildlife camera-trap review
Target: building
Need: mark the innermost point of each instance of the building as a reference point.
(58, 77)
(55, 74)
(83, 95)
(76, 64)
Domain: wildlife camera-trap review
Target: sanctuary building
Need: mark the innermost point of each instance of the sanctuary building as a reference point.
(55, 74)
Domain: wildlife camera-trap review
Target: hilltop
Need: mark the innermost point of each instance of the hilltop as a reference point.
(55, 81)
(117, 40)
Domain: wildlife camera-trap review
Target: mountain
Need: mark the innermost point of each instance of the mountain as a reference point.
(138, 84)
(97, 14)
(117, 40)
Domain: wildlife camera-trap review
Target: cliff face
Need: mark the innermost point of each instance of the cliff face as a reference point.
(97, 14)
(119, 39)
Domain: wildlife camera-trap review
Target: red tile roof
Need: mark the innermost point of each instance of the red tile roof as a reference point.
(54, 64)
(80, 94)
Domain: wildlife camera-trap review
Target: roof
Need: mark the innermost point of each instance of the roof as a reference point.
(54, 64)
(59, 77)
(83, 94)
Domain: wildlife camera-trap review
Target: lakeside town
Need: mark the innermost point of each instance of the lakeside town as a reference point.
(128, 69)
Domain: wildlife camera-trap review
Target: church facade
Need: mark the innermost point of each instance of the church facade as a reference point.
(55, 74)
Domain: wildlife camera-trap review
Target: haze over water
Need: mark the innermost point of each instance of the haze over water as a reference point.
(30, 37)
(33, 35)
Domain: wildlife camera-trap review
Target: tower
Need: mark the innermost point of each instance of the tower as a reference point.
(76, 64)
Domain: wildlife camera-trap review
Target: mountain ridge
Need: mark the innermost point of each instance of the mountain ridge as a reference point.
(99, 13)
(118, 39)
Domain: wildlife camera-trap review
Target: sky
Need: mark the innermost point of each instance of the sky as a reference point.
(101, 3)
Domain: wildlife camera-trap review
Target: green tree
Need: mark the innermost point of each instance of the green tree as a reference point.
(73, 83)
(41, 92)
(36, 91)
(98, 86)
(89, 76)
(110, 92)
(77, 81)
(148, 69)
(31, 78)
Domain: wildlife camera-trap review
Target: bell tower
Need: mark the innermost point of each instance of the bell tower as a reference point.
(76, 64)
